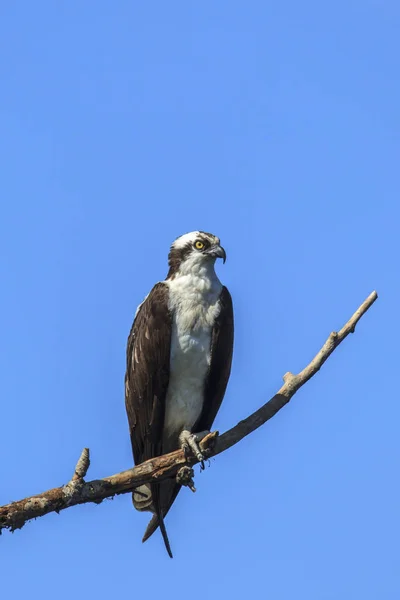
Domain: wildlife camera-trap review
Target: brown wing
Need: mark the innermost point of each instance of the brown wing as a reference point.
(220, 365)
(147, 373)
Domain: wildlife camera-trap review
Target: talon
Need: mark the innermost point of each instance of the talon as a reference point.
(191, 441)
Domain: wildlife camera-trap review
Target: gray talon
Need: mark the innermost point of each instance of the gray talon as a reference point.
(191, 440)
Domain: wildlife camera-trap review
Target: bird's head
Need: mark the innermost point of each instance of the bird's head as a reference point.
(194, 250)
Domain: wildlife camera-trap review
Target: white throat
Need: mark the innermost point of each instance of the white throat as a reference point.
(194, 290)
(197, 269)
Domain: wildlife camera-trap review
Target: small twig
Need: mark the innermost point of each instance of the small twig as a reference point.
(82, 465)
(15, 515)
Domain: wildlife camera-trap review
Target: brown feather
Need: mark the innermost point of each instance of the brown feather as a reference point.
(146, 382)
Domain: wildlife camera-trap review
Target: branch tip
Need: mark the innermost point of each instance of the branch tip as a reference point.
(208, 442)
(82, 465)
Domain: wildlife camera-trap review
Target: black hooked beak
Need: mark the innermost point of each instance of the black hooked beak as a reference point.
(217, 252)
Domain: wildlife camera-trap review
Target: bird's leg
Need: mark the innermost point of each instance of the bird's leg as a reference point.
(190, 441)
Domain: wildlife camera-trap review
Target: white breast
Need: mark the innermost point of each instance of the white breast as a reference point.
(194, 302)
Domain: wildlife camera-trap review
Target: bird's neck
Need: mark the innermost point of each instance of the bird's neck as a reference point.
(197, 277)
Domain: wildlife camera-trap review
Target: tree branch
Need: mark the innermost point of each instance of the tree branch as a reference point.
(77, 491)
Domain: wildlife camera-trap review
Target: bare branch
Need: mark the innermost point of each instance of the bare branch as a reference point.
(77, 491)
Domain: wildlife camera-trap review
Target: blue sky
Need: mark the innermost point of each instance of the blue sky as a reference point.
(276, 127)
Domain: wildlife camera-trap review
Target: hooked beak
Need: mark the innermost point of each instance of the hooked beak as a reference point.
(217, 252)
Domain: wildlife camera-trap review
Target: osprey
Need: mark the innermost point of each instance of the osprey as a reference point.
(179, 356)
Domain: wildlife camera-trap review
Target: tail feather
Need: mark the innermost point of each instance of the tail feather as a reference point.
(151, 528)
(163, 496)
(165, 535)
(155, 522)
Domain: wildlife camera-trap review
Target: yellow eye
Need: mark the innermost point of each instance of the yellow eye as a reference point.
(199, 245)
